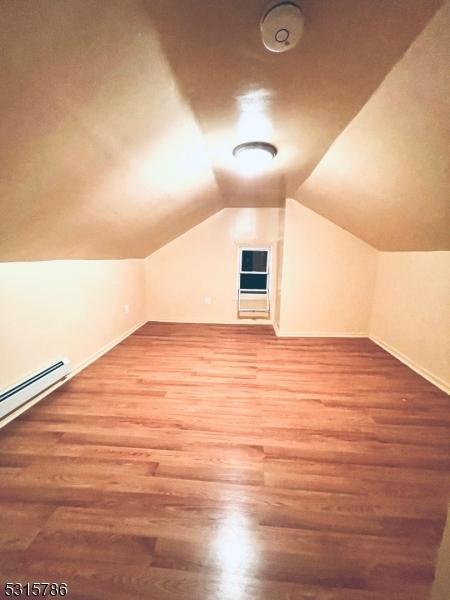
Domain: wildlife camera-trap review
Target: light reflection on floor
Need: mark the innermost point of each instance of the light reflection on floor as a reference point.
(234, 550)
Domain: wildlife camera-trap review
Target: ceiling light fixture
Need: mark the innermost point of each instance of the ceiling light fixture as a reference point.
(254, 157)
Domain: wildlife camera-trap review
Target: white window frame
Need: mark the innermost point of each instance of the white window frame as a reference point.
(267, 272)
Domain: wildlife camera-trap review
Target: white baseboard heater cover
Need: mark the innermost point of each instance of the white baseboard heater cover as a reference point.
(24, 390)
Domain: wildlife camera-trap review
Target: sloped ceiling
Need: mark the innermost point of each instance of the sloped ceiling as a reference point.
(119, 118)
(387, 177)
(100, 157)
(300, 100)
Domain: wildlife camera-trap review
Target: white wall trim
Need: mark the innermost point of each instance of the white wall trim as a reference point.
(106, 348)
(246, 321)
(77, 368)
(434, 379)
(336, 334)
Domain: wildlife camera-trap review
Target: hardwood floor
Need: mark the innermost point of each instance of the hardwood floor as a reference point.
(203, 462)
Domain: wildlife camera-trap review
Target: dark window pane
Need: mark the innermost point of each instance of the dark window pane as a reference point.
(253, 282)
(254, 260)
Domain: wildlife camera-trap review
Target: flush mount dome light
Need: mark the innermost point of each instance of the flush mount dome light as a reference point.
(254, 157)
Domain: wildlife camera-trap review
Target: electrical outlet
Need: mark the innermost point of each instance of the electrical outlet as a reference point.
(126, 308)
(207, 300)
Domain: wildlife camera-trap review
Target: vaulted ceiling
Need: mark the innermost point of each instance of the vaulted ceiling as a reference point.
(119, 120)
(387, 176)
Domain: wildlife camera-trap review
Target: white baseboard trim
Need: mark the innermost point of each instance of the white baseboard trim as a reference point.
(409, 362)
(246, 321)
(79, 367)
(319, 334)
(106, 348)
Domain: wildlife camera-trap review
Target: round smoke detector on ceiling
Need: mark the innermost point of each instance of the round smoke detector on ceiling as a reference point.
(282, 26)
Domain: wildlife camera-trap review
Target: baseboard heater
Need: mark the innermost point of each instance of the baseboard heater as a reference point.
(25, 390)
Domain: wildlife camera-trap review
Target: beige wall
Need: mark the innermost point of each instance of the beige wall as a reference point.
(411, 310)
(328, 277)
(202, 263)
(64, 308)
(76, 308)
(320, 261)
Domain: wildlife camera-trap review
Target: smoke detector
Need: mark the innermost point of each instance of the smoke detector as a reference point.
(282, 26)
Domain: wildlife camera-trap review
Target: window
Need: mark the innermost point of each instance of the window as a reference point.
(253, 282)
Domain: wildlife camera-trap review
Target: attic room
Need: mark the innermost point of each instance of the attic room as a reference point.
(225, 299)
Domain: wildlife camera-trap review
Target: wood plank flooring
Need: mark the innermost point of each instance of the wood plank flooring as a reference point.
(204, 462)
